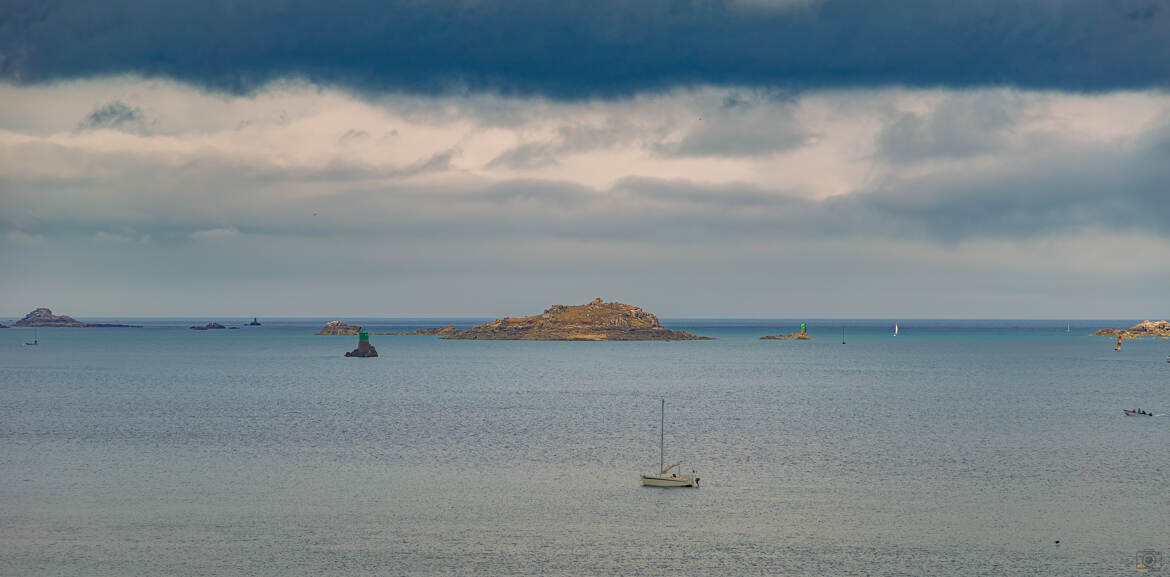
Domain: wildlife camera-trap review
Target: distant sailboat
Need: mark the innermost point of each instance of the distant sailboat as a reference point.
(35, 342)
(842, 335)
(1118, 347)
(1067, 327)
(895, 329)
(664, 478)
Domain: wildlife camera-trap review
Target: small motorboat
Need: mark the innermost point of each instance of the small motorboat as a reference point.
(1130, 413)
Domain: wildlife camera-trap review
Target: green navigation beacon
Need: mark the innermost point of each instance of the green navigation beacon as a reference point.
(365, 349)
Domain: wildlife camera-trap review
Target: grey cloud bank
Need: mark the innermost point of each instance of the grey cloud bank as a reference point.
(576, 49)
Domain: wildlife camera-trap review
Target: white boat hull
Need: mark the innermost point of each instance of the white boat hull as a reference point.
(652, 480)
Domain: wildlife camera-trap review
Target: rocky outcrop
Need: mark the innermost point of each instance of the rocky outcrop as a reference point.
(1142, 329)
(802, 335)
(43, 317)
(797, 336)
(596, 321)
(208, 327)
(340, 328)
(424, 332)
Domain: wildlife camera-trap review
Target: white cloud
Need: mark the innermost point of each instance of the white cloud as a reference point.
(22, 238)
(214, 234)
(656, 190)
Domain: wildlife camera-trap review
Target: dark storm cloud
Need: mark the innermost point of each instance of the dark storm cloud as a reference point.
(603, 48)
(1071, 190)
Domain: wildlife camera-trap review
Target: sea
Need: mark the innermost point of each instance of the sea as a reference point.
(957, 447)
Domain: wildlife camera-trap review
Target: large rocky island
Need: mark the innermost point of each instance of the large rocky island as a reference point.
(596, 321)
(1142, 329)
(43, 317)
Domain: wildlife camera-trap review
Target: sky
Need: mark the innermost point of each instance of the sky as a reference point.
(738, 158)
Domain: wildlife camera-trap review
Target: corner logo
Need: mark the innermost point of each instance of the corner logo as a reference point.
(1148, 561)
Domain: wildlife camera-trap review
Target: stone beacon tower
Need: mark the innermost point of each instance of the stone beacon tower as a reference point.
(365, 349)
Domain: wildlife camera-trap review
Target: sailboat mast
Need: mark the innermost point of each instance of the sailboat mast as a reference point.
(661, 436)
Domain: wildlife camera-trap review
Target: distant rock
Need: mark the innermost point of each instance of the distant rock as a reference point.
(3, 326)
(340, 328)
(207, 327)
(424, 332)
(801, 336)
(1142, 329)
(43, 317)
(596, 321)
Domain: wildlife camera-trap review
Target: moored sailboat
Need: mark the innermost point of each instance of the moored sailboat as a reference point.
(665, 478)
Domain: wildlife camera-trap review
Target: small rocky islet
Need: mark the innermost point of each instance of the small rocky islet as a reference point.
(1157, 329)
(801, 336)
(43, 317)
(336, 328)
(208, 327)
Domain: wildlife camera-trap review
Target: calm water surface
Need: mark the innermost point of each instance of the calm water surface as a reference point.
(957, 447)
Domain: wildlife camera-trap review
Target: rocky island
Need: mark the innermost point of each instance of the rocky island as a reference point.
(802, 335)
(596, 321)
(339, 328)
(1142, 329)
(43, 317)
(797, 336)
(207, 327)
